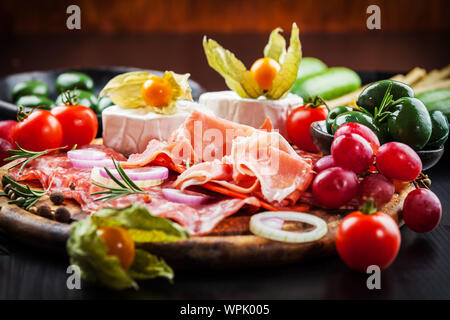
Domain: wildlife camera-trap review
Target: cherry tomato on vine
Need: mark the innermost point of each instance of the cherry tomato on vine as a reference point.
(422, 210)
(299, 121)
(157, 92)
(360, 129)
(38, 131)
(367, 238)
(79, 124)
(398, 161)
(264, 71)
(118, 243)
(353, 152)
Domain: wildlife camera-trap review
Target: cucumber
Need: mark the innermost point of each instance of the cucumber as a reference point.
(438, 99)
(330, 84)
(309, 67)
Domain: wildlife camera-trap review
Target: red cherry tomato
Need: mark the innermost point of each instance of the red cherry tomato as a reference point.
(324, 163)
(38, 132)
(368, 239)
(351, 151)
(377, 187)
(4, 147)
(422, 210)
(398, 161)
(79, 124)
(334, 187)
(6, 128)
(298, 124)
(360, 129)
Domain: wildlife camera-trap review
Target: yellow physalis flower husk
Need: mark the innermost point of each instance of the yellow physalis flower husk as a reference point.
(276, 47)
(241, 81)
(288, 68)
(125, 90)
(236, 76)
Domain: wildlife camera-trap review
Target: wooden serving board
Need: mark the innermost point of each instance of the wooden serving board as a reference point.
(230, 245)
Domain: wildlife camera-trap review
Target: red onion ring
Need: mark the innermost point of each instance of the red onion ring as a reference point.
(85, 154)
(179, 196)
(138, 174)
(89, 164)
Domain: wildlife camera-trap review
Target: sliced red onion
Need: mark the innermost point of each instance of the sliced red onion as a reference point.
(179, 196)
(89, 164)
(85, 154)
(139, 174)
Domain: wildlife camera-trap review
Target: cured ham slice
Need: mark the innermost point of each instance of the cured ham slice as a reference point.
(237, 157)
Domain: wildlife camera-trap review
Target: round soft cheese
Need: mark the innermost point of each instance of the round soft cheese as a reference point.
(130, 130)
(229, 105)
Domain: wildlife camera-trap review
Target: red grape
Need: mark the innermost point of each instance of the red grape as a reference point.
(4, 147)
(334, 187)
(324, 163)
(422, 210)
(359, 129)
(6, 128)
(378, 187)
(398, 161)
(351, 151)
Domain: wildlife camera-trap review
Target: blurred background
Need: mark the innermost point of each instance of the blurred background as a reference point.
(167, 34)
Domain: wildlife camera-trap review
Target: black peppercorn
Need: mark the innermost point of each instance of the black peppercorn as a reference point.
(6, 188)
(45, 212)
(72, 186)
(62, 215)
(57, 197)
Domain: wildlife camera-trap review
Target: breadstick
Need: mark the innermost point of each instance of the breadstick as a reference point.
(443, 84)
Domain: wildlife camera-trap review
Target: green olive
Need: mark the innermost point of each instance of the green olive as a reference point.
(410, 123)
(439, 131)
(74, 80)
(29, 88)
(40, 102)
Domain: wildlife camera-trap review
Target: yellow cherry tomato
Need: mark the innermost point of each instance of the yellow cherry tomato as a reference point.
(156, 92)
(264, 70)
(118, 243)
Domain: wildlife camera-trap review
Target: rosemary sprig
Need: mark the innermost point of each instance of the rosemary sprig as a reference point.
(27, 155)
(125, 187)
(380, 113)
(21, 195)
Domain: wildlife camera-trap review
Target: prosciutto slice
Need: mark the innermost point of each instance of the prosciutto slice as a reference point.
(238, 157)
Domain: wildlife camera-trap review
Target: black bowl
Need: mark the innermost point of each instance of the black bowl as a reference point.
(100, 75)
(322, 139)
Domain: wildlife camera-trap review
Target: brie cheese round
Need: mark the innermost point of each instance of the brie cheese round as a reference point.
(130, 130)
(229, 105)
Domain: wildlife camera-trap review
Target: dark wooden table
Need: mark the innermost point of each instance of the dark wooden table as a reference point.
(421, 269)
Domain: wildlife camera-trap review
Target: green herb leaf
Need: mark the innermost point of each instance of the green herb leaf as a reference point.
(88, 251)
(138, 217)
(148, 266)
(27, 156)
(125, 187)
